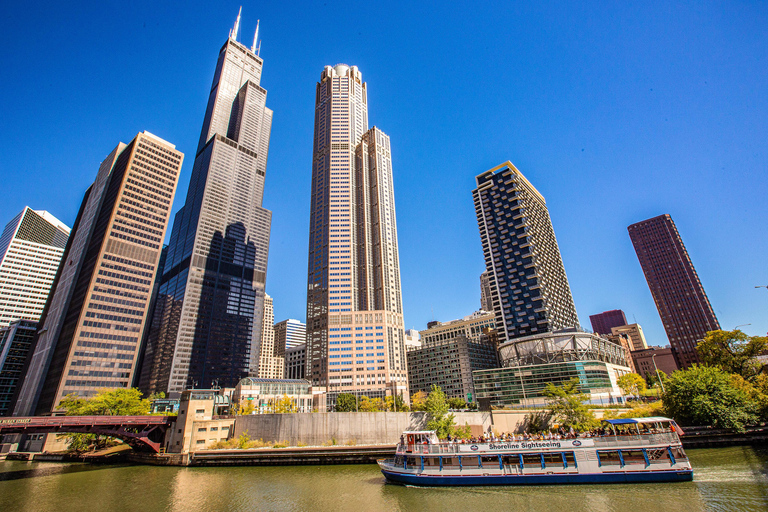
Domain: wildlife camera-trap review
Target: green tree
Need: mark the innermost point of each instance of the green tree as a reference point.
(395, 404)
(457, 403)
(733, 352)
(632, 384)
(107, 402)
(419, 401)
(246, 407)
(706, 395)
(566, 405)
(371, 404)
(346, 402)
(436, 406)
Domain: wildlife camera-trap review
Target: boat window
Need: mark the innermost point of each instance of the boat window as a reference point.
(532, 460)
(552, 460)
(414, 461)
(657, 455)
(469, 461)
(511, 460)
(490, 459)
(450, 461)
(631, 456)
(570, 460)
(609, 457)
(679, 453)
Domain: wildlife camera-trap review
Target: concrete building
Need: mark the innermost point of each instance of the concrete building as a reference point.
(529, 288)
(635, 333)
(603, 322)
(644, 361)
(31, 247)
(288, 334)
(296, 362)
(15, 342)
(355, 340)
(92, 325)
(486, 298)
(208, 318)
(530, 363)
(679, 295)
(412, 339)
(271, 365)
(264, 393)
(199, 423)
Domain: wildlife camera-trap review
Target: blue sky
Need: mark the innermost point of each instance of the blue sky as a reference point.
(615, 111)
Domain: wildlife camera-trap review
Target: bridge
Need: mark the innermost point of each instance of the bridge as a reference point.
(142, 433)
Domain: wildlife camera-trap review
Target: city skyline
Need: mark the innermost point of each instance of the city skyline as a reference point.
(700, 130)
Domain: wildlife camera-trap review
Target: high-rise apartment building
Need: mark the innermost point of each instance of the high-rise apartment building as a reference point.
(31, 247)
(271, 365)
(354, 305)
(90, 331)
(679, 296)
(15, 342)
(208, 320)
(288, 334)
(603, 322)
(486, 300)
(529, 288)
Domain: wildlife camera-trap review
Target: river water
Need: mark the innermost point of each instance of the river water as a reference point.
(725, 479)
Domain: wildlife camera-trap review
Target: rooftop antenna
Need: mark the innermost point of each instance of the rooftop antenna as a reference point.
(255, 39)
(234, 31)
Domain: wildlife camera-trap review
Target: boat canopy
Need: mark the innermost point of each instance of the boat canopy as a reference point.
(633, 421)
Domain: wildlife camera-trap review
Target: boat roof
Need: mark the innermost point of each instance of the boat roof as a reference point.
(651, 419)
(418, 432)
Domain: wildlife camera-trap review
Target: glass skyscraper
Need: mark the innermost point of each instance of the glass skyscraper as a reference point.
(529, 289)
(355, 339)
(207, 323)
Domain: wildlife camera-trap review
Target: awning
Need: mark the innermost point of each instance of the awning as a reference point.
(632, 421)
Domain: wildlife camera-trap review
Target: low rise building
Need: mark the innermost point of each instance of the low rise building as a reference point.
(264, 393)
(203, 420)
(530, 363)
(635, 333)
(644, 359)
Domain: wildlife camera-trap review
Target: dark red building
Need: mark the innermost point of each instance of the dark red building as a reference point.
(602, 322)
(683, 306)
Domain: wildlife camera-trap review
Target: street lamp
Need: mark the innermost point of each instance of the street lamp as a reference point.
(742, 325)
(653, 358)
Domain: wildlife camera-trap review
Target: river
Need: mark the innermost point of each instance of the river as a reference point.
(725, 479)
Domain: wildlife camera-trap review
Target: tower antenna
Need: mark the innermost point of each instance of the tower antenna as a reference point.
(256, 38)
(234, 31)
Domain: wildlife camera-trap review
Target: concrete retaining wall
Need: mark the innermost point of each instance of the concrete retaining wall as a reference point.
(361, 428)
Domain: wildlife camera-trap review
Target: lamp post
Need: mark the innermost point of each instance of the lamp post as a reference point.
(742, 325)
(653, 358)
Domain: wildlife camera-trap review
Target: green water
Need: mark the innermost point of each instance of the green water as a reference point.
(725, 479)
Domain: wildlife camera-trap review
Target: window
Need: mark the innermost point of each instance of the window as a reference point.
(609, 457)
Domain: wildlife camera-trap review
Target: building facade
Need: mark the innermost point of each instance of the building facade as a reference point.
(354, 305)
(288, 334)
(31, 248)
(603, 322)
(296, 362)
(530, 363)
(92, 325)
(683, 305)
(265, 393)
(271, 365)
(15, 342)
(208, 320)
(663, 358)
(486, 300)
(635, 334)
(529, 288)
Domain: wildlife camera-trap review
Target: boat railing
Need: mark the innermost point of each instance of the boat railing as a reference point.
(666, 438)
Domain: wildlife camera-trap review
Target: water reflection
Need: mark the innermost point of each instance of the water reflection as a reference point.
(726, 479)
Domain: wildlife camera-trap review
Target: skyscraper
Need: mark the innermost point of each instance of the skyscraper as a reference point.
(15, 342)
(90, 331)
(31, 247)
(679, 296)
(530, 291)
(603, 322)
(271, 364)
(208, 318)
(354, 305)
(486, 300)
(288, 334)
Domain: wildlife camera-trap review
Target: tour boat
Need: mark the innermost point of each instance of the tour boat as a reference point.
(645, 450)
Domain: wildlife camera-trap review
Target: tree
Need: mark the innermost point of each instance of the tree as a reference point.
(457, 403)
(707, 395)
(246, 407)
(346, 402)
(371, 404)
(284, 405)
(631, 384)
(107, 402)
(436, 407)
(395, 404)
(733, 352)
(566, 405)
(419, 401)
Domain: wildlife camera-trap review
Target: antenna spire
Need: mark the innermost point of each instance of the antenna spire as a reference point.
(234, 31)
(256, 38)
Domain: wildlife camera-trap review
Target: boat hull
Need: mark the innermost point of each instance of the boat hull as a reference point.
(573, 478)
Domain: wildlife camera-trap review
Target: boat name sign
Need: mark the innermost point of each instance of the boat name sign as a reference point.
(527, 445)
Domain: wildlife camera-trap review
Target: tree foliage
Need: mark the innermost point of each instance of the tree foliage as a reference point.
(246, 407)
(346, 402)
(566, 405)
(457, 403)
(395, 404)
(632, 384)
(419, 401)
(284, 405)
(707, 395)
(107, 402)
(436, 406)
(733, 352)
(371, 404)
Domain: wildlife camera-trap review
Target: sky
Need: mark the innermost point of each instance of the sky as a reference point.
(615, 111)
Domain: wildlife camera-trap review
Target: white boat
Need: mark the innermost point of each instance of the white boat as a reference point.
(647, 450)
